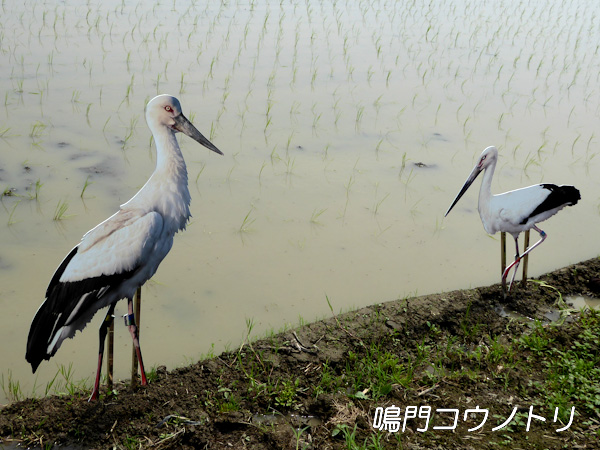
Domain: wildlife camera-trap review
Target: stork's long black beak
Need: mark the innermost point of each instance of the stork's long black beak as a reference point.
(185, 126)
(474, 173)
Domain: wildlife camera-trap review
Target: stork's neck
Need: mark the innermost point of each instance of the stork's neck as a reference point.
(166, 191)
(169, 160)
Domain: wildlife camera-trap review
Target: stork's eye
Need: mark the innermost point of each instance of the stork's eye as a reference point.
(168, 108)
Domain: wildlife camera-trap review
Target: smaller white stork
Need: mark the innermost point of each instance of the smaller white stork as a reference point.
(518, 210)
(123, 252)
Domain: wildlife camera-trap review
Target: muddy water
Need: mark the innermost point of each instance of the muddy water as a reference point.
(347, 131)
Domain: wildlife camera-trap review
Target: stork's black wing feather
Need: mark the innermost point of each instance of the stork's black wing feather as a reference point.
(559, 196)
(65, 262)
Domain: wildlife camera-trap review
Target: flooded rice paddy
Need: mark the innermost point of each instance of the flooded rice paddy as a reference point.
(347, 128)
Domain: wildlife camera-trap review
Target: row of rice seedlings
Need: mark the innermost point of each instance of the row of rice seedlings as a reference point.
(349, 35)
(62, 383)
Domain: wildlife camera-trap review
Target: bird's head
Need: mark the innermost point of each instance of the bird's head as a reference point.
(165, 111)
(488, 156)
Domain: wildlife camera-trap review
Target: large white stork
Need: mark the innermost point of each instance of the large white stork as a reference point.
(518, 210)
(123, 252)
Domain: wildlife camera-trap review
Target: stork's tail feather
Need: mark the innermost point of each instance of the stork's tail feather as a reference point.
(559, 197)
(40, 335)
(68, 308)
(571, 194)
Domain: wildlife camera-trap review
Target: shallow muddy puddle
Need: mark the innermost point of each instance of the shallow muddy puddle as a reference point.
(582, 302)
(573, 304)
(347, 131)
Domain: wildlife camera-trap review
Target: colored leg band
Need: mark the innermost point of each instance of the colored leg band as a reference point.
(129, 319)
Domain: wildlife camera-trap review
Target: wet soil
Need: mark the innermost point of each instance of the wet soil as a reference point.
(299, 389)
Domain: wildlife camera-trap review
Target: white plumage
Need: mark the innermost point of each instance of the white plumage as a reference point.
(118, 245)
(120, 254)
(518, 210)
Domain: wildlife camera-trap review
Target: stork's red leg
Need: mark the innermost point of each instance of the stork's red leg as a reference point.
(102, 334)
(543, 238)
(518, 258)
(133, 330)
(514, 264)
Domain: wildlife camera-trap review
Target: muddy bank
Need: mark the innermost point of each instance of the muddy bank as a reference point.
(319, 386)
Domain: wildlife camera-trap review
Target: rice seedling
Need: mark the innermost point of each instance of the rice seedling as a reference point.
(11, 387)
(465, 124)
(36, 193)
(229, 172)
(129, 89)
(60, 210)
(158, 77)
(326, 151)
(348, 186)
(202, 166)
(314, 218)
(11, 220)
(359, 116)
(247, 222)
(316, 118)
(378, 146)
(75, 96)
(70, 386)
(378, 204)
(129, 132)
(85, 186)
(402, 166)
(500, 119)
(264, 164)
(19, 88)
(37, 129)
(213, 131)
(289, 165)
(575, 143)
